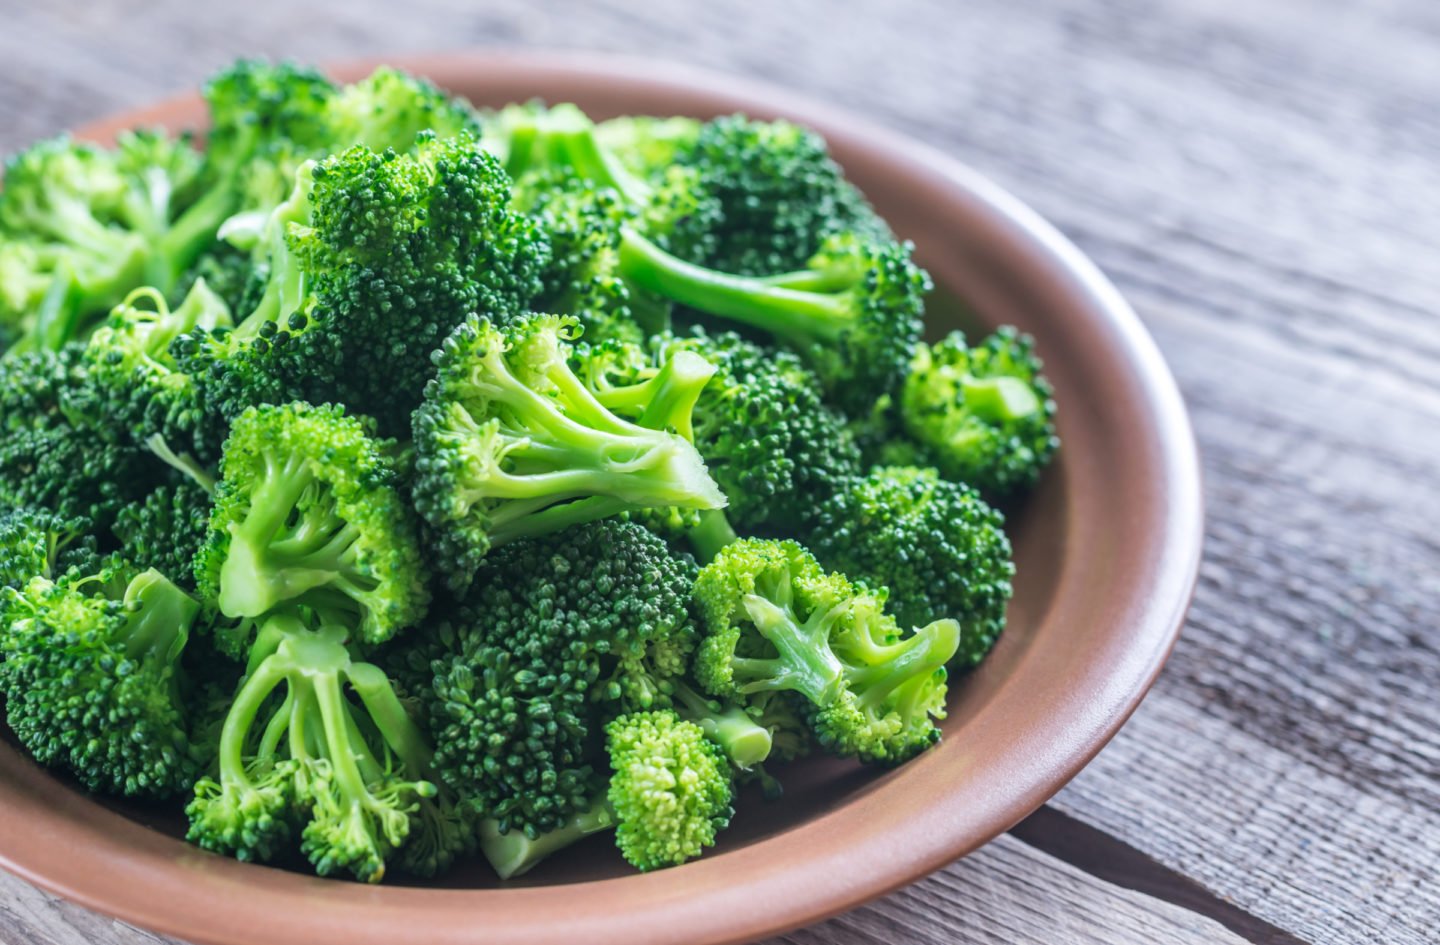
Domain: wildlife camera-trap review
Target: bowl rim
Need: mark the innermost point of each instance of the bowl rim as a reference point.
(75, 848)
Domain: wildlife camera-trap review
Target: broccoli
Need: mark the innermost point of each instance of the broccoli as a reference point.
(530, 137)
(296, 752)
(166, 529)
(780, 194)
(37, 543)
(58, 458)
(91, 676)
(556, 635)
(513, 853)
(389, 108)
(229, 272)
(646, 145)
(671, 789)
(776, 621)
(982, 414)
(853, 314)
(307, 511)
(936, 544)
(766, 436)
(510, 443)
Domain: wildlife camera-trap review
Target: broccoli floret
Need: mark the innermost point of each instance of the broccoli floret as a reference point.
(775, 620)
(510, 443)
(388, 108)
(91, 677)
(56, 458)
(772, 445)
(98, 223)
(646, 145)
(166, 529)
(229, 272)
(670, 790)
(982, 414)
(530, 137)
(936, 544)
(780, 194)
(37, 543)
(297, 753)
(307, 511)
(556, 635)
(854, 314)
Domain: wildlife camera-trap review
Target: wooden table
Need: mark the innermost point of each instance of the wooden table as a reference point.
(1262, 179)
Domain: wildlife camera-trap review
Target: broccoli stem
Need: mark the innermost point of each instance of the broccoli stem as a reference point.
(160, 618)
(806, 662)
(513, 853)
(711, 534)
(746, 742)
(800, 317)
(913, 659)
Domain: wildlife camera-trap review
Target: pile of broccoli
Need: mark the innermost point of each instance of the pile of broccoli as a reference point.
(389, 482)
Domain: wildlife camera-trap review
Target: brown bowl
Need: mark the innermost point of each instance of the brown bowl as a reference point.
(1107, 550)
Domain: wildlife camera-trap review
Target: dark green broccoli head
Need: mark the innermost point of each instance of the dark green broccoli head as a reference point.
(556, 635)
(39, 543)
(307, 512)
(779, 192)
(936, 544)
(91, 677)
(255, 106)
(767, 437)
(982, 414)
(670, 790)
(510, 443)
(166, 529)
(776, 621)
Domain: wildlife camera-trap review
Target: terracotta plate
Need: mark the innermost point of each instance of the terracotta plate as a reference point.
(1107, 549)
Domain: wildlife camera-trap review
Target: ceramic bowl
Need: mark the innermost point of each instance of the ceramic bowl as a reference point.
(1107, 549)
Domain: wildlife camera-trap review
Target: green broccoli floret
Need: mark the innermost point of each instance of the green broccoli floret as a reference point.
(388, 108)
(670, 790)
(555, 636)
(298, 753)
(780, 194)
(514, 853)
(38, 543)
(530, 137)
(229, 272)
(646, 145)
(308, 512)
(775, 620)
(91, 677)
(98, 223)
(982, 414)
(854, 314)
(166, 529)
(510, 443)
(56, 458)
(772, 445)
(936, 544)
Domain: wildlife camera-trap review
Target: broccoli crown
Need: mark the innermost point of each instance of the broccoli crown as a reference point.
(854, 314)
(510, 443)
(298, 753)
(39, 543)
(771, 443)
(372, 260)
(671, 788)
(134, 382)
(256, 106)
(779, 192)
(388, 108)
(91, 677)
(936, 544)
(982, 414)
(166, 529)
(647, 145)
(57, 459)
(307, 511)
(229, 272)
(556, 635)
(775, 620)
(107, 221)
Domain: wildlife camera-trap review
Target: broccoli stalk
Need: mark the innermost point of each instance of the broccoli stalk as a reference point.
(854, 313)
(745, 742)
(294, 750)
(514, 853)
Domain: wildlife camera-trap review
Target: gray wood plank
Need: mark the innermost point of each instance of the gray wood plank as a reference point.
(1262, 181)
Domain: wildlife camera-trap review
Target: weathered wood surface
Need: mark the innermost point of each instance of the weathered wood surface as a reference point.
(1263, 181)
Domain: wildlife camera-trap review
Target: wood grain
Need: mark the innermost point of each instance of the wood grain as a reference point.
(1263, 182)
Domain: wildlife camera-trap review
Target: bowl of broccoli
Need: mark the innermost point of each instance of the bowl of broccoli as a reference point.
(524, 497)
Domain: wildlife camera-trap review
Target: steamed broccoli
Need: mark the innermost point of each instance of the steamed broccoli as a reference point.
(776, 621)
(510, 443)
(297, 753)
(37, 543)
(853, 313)
(982, 414)
(671, 788)
(308, 511)
(938, 547)
(91, 676)
(166, 529)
